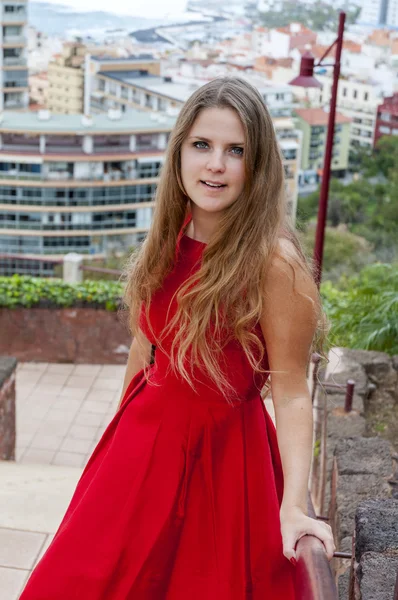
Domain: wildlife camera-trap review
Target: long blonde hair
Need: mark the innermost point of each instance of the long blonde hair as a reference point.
(226, 293)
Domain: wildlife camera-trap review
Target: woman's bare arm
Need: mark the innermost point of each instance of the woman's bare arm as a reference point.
(288, 325)
(135, 362)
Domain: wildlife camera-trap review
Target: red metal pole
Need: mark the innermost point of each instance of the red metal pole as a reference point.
(323, 197)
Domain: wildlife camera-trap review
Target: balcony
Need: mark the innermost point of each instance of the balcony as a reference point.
(15, 61)
(22, 83)
(11, 104)
(14, 174)
(54, 227)
(14, 39)
(20, 16)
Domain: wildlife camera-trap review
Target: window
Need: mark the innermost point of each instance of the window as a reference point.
(366, 96)
(344, 91)
(354, 94)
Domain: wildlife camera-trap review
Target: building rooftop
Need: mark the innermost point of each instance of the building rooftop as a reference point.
(318, 116)
(133, 58)
(153, 83)
(134, 121)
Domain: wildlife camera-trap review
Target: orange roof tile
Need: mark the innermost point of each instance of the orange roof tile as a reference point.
(287, 29)
(352, 46)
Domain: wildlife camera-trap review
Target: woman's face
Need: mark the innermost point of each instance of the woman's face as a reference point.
(212, 163)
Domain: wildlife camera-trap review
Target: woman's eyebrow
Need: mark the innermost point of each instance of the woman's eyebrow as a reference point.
(201, 137)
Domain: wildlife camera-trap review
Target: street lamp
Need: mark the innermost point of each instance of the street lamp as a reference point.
(306, 79)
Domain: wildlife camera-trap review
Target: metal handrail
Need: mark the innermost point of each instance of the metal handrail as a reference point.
(313, 579)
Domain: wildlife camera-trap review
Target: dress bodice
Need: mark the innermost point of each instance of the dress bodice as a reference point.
(163, 306)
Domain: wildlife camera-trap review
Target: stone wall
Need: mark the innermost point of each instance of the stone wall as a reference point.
(7, 408)
(355, 462)
(376, 550)
(75, 335)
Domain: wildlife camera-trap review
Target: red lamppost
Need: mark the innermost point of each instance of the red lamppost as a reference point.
(306, 79)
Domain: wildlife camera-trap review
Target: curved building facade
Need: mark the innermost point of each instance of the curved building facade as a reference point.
(70, 183)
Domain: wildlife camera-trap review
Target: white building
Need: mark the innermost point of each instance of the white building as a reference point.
(374, 12)
(392, 13)
(356, 99)
(13, 56)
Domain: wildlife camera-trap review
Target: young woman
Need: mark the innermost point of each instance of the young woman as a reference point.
(191, 494)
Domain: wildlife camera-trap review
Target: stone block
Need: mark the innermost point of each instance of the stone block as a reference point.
(343, 585)
(376, 575)
(342, 424)
(335, 401)
(352, 489)
(376, 525)
(360, 455)
(349, 367)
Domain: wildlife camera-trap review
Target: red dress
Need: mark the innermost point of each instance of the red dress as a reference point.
(180, 498)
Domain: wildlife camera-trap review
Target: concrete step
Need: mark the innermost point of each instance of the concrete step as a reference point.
(34, 497)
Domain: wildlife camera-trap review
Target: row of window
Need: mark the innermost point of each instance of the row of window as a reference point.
(365, 95)
(64, 196)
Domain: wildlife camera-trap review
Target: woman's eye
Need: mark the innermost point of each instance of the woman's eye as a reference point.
(203, 145)
(198, 144)
(239, 150)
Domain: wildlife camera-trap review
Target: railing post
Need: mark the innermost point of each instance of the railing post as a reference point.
(72, 272)
(349, 395)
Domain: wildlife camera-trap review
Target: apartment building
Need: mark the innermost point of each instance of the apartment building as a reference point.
(379, 12)
(66, 80)
(358, 100)
(313, 123)
(105, 76)
(392, 14)
(290, 140)
(280, 42)
(71, 183)
(387, 117)
(14, 94)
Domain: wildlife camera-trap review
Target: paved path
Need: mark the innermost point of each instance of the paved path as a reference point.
(62, 411)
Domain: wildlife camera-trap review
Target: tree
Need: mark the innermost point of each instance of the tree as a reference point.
(320, 16)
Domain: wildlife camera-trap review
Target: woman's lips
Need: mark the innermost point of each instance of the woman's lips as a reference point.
(213, 188)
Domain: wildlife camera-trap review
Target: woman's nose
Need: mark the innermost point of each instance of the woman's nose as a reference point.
(216, 162)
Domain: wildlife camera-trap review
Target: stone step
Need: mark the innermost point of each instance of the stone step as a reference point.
(34, 497)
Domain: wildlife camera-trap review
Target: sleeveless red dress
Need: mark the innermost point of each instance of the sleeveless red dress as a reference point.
(180, 498)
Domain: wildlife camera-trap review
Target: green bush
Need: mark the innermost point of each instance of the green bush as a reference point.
(363, 310)
(23, 291)
(344, 252)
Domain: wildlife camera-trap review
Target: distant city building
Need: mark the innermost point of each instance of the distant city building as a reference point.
(392, 13)
(114, 82)
(357, 100)
(313, 123)
(69, 183)
(66, 80)
(379, 12)
(387, 117)
(38, 90)
(14, 94)
(66, 77)
(281, 41)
